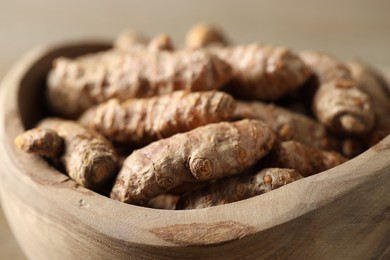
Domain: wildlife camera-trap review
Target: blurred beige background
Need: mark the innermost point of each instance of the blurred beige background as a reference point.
(349, 28)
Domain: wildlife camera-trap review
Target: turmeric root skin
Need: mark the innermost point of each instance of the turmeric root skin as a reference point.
(288, 125)
(262, 71)
(203, 35)
(75, 85)
(339, 103)
(142, 121)
(40, 141)
(88, 158)
(237, 188)
(302, 158)
(205, 153)
(372, 82)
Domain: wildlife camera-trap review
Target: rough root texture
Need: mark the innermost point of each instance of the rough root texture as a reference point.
(75, 85)
(339, 103)
(142, 121)
(237, 188)
(40, 141)
(205, 153)
(304, 159)
(343, 108)
(262, 71)
(88, 158)
(288, 125)
(373, 83)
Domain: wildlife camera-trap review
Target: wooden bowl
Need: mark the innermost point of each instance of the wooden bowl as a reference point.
(343, 212)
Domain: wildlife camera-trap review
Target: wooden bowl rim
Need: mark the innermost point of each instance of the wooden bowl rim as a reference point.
(139, 225)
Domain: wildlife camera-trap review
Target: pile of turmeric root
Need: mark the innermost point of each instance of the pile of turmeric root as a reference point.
(207, 124)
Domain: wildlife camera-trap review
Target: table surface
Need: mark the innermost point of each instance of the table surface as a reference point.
(350, 28)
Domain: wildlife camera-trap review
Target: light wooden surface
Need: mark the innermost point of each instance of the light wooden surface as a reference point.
(346, 28)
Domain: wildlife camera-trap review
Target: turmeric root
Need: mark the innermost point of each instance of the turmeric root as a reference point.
(262, 71)
(351, 147)
(142, 121)
(130, 39)
(40, 141)
(203, 35)
(75, 85)
(205, 153)
(88, 158)
(161, 42)
(288, 125)
(163, 201)
(371, 81)
(237, 188)
(339, 103)
(302, 158)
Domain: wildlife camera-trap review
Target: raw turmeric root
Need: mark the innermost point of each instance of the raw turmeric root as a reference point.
(237, 188)
(203, 35)
(205, 153)
(161, 42)
(75, 85)
(288, 125)
(339, 103)
(302, 158)
(163, 201)
(130, 39)
(262, 71)
(142, 121)
(41, 141)
(351, 147)
(372, 82)
(88, 158)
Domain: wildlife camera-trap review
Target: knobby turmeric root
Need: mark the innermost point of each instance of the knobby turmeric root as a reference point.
(262, 71)
(161, 42)
(205, 153)
(339, 103)
(237, 188)
(41, 141)
(372, 82)
(87, 157)
(288, 125)
(75, 85)
(142, 121)
(204, 35)
(302, 158)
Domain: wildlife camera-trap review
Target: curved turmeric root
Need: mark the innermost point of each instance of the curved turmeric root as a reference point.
(88, 158)
(75, 85)
(237, 188)
(205, 153)
(339, 103)
(262, 71)
(142, 121)
(288, 125)
(372, 82)
(302, 158)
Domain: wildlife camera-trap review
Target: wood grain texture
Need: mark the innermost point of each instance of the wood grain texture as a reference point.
(343, 213)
